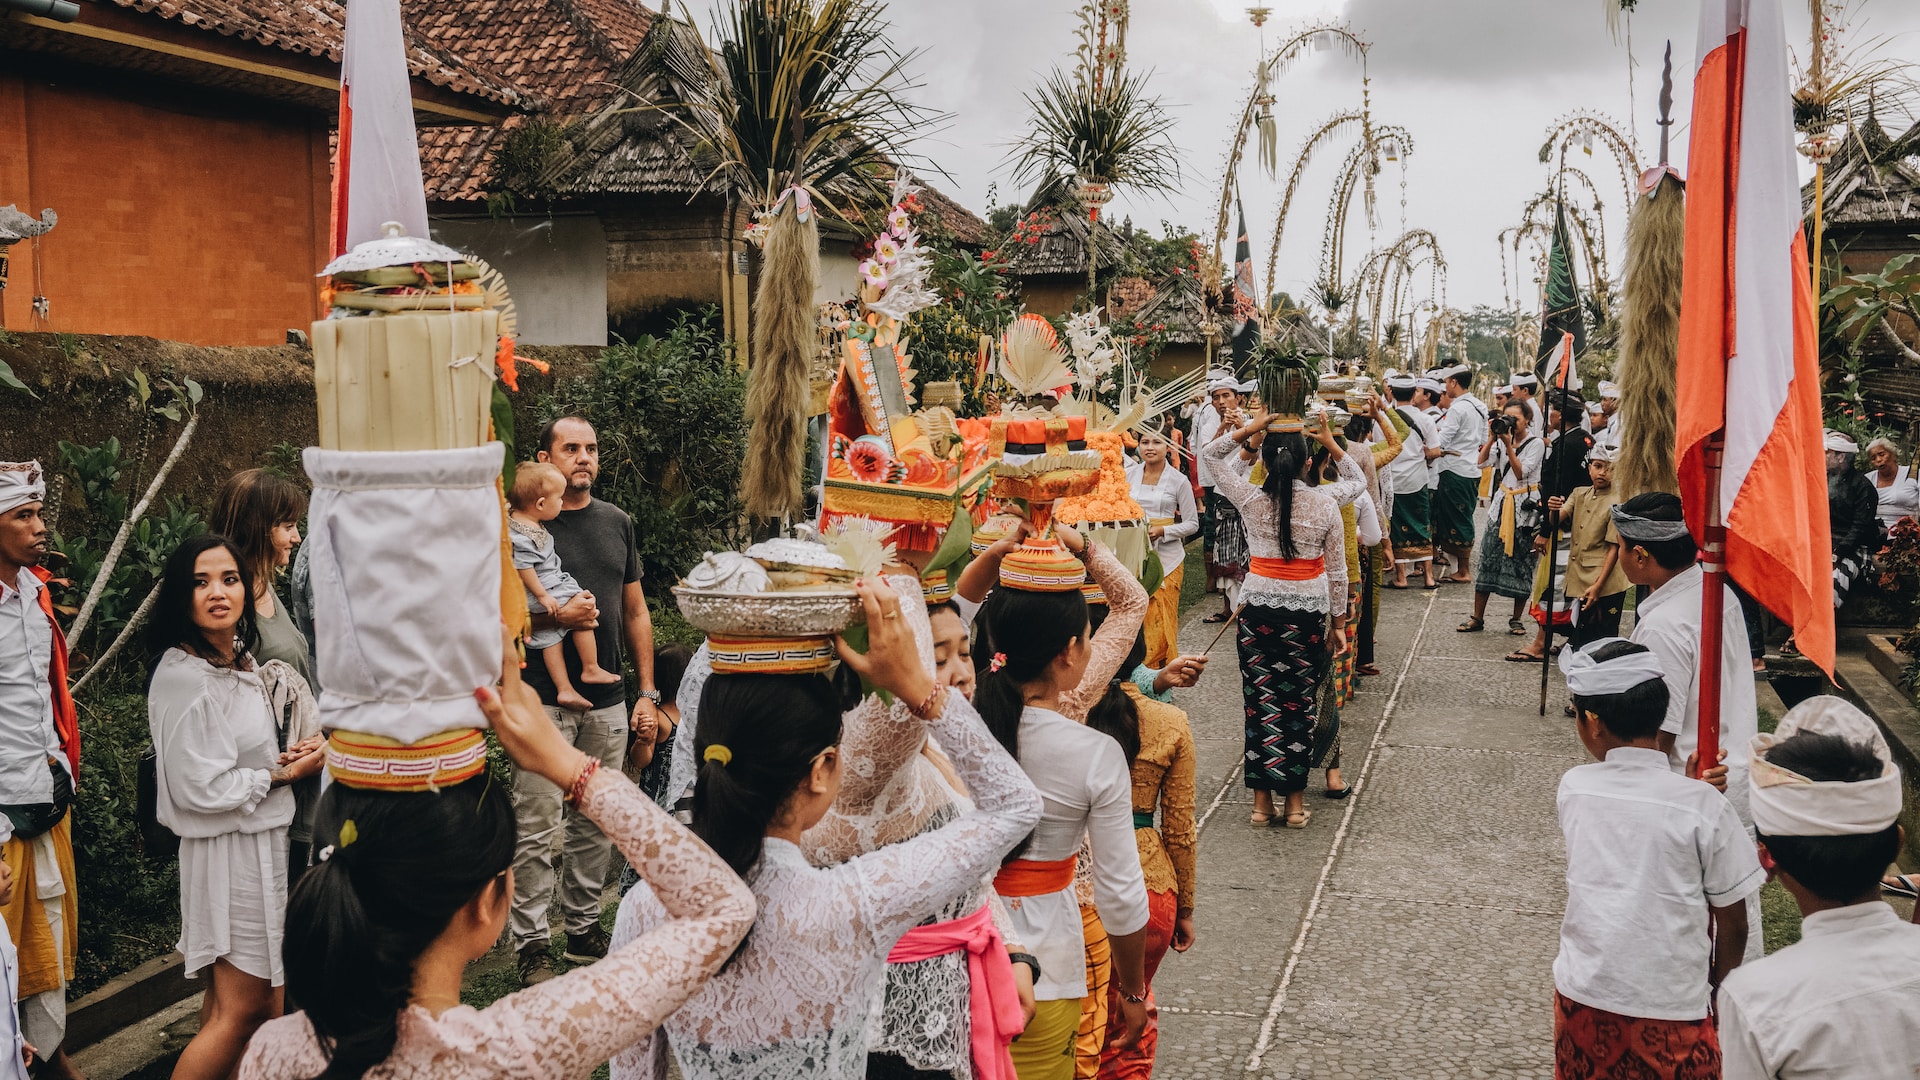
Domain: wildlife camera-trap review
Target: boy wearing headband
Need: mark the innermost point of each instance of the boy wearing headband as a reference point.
(1653, 859)
(1844, 1000)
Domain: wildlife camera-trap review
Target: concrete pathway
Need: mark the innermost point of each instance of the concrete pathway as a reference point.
(1410, 930)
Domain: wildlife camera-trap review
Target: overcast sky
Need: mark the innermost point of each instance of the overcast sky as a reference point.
(1477, 83)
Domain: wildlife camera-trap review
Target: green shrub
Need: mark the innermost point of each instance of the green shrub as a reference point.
(670, 415)
(129, 904)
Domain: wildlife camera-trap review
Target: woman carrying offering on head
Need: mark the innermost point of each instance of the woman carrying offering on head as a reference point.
(413, 886)
(796, 999)
(1299, 581)
(1167, 498)
(224, 789)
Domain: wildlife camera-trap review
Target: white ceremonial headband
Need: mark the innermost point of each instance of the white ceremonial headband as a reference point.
(1788, 804)
(21, 482)
(1588, 677)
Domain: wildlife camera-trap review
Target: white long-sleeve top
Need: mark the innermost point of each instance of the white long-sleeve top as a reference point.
(1317, 529)
(1169, 498)
(797, 999)
(1206, 426)
(214, 749)
(1087, 788)
(1407, 473)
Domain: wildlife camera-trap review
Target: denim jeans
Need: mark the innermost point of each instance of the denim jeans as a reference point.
(540, 811)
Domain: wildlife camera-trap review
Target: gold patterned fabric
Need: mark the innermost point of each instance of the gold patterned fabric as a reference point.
(1163, 778)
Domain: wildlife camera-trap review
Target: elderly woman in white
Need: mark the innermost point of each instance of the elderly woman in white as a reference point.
(223, 788)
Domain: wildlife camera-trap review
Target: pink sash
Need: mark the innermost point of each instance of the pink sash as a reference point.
(994, 1003)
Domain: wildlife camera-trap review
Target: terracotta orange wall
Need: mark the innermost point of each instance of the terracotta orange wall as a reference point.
(205, 229)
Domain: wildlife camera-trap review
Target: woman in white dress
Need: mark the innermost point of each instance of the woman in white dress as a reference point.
(796, 1001)
(223, 788)
(1893, 482)
(1166, 498)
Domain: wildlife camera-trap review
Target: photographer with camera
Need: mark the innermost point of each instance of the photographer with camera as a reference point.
(1507, 558)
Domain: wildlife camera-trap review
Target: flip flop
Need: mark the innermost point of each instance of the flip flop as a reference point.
(1366, 669)
(1299, 820)
(1907, 885)
(1217, 617)
(1338, 792)
(1401, 588)
(1518, 657)
(1261, 821)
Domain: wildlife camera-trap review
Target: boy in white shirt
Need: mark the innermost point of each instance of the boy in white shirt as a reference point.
(1844, 1000)
(1653, 859)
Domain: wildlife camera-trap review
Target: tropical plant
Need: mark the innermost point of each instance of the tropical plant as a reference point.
(1115, 134)
(806, 103)
(1864, 303)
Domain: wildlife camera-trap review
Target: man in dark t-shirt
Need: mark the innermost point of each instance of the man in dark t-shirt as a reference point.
(595, 542)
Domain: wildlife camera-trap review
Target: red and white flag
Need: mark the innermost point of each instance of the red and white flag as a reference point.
(1560, 370)
(1749, 357)
(376, 177)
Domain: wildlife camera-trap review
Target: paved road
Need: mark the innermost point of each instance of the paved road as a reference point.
(1410, 930)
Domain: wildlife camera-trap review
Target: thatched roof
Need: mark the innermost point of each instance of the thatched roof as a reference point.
(1181, 304)
(1057, 244)
(1873, 180)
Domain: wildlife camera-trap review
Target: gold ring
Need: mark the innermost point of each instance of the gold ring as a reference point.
(894, 614)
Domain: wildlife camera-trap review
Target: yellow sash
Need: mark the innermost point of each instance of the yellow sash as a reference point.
(1509, 507)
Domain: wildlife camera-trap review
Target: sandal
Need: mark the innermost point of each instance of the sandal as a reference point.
(1259, 820)
(1337, 793)
(1516, 627)
(1471, 626)
(1216, 617)
(1907, 885)
(1518, 657)
(1366, 669)
(1299, 819)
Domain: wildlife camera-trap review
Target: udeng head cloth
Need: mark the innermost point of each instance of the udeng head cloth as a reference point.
(1590, 677)
(405, 549)
(1788, 804)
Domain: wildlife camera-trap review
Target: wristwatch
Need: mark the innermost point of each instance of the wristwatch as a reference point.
(1027, 959)
(651, 695)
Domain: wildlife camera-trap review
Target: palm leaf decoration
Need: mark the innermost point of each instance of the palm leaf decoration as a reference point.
(1112, 133)
(804, 105)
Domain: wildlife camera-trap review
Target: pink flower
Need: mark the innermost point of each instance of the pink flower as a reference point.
(886, 249)
(873, 273)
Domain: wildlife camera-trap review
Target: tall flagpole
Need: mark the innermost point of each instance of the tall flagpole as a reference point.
(1553, 531)
(1713, 566)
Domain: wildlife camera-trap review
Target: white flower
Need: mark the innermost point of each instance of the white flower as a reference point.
(898, 222)
(886, 249)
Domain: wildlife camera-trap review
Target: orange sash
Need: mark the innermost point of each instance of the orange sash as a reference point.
(1290, 569)
(1025, 877)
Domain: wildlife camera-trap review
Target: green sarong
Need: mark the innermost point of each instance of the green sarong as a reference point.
(1454, 505)
(1411, 529)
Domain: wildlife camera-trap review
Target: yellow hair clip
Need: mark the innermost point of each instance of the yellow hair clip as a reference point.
(719, 753)
(348, 832)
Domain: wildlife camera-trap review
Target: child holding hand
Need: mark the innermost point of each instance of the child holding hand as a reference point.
(534, 501)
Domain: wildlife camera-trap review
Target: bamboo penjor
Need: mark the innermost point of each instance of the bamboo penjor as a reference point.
(783, 343)
(1650, 320)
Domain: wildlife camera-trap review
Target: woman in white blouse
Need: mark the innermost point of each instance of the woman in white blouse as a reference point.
(1298, 586)
(1898, 490)
(224, 790)
(1166, 497)
(796, 1000)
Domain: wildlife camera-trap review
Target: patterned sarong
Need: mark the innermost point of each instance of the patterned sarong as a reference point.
(1507, 575)
(1593, 1044)
(1283, 660)
(1411, 529)
(1454, 504)
(1228, 558)
(1163, 619)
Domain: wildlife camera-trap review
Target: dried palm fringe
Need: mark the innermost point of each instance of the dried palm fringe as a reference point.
(784, 340)
(1650, 340)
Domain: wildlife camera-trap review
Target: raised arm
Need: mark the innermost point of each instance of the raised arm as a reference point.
(1352, 483)
(879, 739)
(1388, 448)
(1126, 610)
(1228, 480)
(587, 1015)
(904, 883)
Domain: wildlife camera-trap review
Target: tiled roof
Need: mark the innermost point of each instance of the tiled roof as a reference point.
(565, 51)
(316, 28)
(1873, 180)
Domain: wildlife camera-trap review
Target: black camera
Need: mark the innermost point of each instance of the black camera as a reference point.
(1500, 425)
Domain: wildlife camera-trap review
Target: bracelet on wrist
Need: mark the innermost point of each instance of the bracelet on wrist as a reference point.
(929, 706)
(1032, 962)
(1134, 999)
(579, 786)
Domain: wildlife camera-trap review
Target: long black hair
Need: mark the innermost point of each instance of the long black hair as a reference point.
(772, 727)
(1115, 714)
(171, 625)
(1286, 455)
(359, 920)
(1022, 631)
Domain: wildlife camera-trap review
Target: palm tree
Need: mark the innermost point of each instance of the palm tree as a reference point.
(804, 104)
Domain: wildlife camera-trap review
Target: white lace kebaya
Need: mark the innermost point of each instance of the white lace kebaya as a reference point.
(798, 999)
(1317, 528)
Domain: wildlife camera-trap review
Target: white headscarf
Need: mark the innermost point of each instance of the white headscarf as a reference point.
(1589, 677)
(21, 482)
(1788, 804)
(1839, 443)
